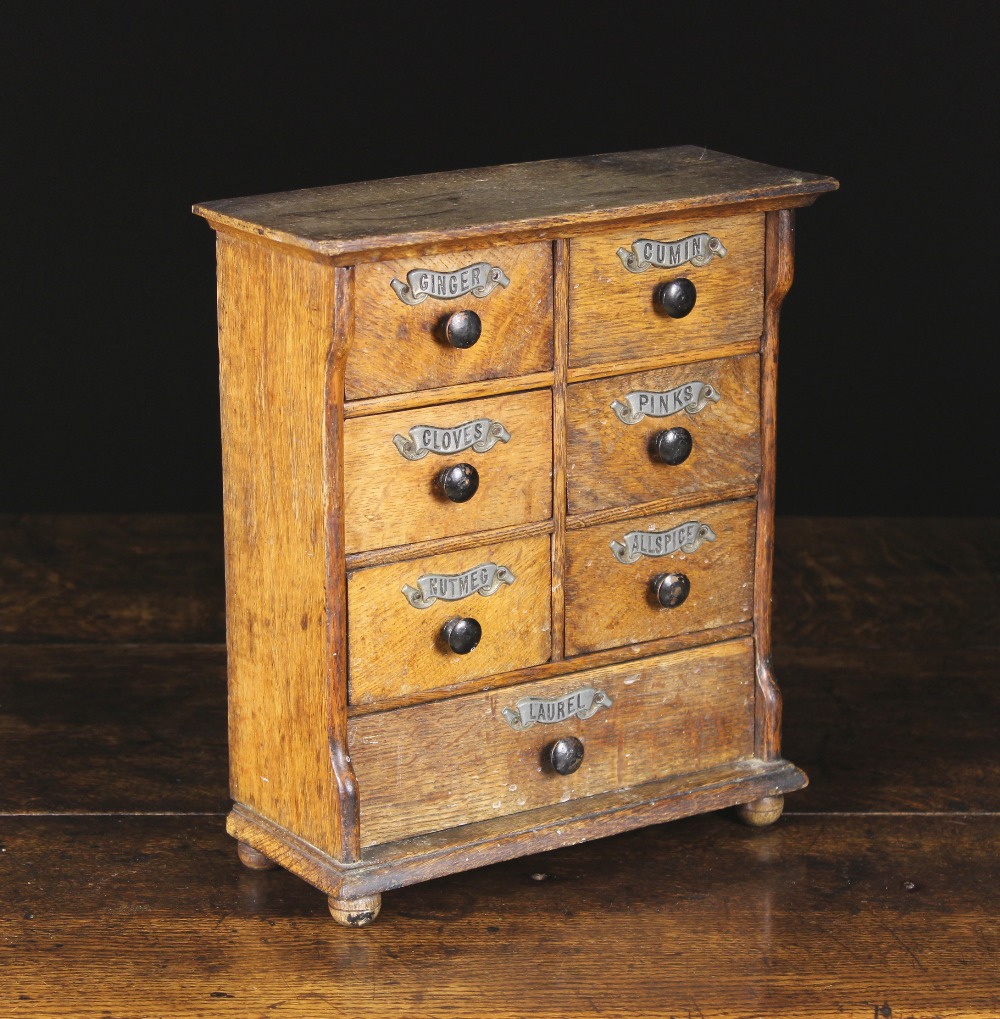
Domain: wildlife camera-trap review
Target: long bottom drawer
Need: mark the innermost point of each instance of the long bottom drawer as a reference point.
(436, 766)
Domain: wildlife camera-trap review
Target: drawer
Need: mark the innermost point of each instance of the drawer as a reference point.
(610, 603)
(396, 615)
(614, 315)
(393, 466)
(400, 346)
(436, 766)
(614, 423)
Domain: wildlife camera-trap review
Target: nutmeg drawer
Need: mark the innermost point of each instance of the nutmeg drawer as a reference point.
(438, 765)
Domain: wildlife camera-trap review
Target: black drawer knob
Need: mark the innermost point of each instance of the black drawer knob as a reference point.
(672, 446)
(670, 589)
(565, 755)
(462, 635)
(462, 329)
(677, 297)
(459, 483)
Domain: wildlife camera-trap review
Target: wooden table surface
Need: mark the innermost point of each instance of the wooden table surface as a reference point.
(877, 895)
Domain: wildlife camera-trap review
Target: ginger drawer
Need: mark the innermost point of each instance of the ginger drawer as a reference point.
(498, 455)
(441, 320)
(449, 469)
(666, 291)
(685, 432)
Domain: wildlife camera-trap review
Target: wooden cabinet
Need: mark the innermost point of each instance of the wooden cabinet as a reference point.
(499, 478)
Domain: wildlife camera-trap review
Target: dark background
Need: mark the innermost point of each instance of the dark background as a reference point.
(118, 117)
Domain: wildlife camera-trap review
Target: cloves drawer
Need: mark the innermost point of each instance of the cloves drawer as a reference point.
(435, 766)
(630, 311)
(453, 469)
(494, 303)
(657, 576)
(682, 431)
(412, 625)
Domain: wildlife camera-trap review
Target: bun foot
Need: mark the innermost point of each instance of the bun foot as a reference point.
(253, 859)
(355, 912)
(760, 813)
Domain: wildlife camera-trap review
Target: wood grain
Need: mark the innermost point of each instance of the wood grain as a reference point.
(398, 348)
(609, 463)
(437, 766)
(348, 223)
(608, 603)
(397, 649)
(276, 317)
(560, 265)
(109, 577)
(390, 500)
(613, 316)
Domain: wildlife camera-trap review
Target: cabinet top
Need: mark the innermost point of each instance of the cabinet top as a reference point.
(554, 197)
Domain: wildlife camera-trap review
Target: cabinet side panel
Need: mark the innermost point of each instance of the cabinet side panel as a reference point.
(276, 317)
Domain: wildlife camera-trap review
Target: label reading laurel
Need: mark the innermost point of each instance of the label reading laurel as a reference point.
(478, 280)
(484, 579)
(692, 397)
(580, 703)
(698, 249)
(481, 435)
(686, 537)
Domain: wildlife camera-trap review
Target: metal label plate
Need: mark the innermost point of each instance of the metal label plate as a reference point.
(691, 397)
(484, 579)
(481, 435)
(582, 703)
(686, 537)
(478, 279)
(698, 249)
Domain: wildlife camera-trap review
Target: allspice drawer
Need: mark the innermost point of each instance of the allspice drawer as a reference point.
(434, 766)
(450, 469)
(689, 430)
(657, 576)
(622, 302)
(494, 303)
(398, 615)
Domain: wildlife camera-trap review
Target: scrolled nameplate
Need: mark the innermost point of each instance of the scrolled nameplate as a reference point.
(481, 435)
(686, 537)
(580, 703)
(484, 579)
(692, 397)
(698, 249)
(479, 280)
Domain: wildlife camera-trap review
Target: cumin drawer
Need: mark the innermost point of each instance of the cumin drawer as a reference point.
(400, 480)
(398, 614)
(434, 766)
(689, 430)
(611, 569)
(405, 310)
(616, 276)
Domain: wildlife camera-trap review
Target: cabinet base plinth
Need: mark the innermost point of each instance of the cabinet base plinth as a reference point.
(354, 889)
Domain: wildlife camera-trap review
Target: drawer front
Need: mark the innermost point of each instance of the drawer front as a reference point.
(614, 315)
(626, 434)
(435, 766)
(396, 615)
(400, 347)
(610, 603)
(393, 463)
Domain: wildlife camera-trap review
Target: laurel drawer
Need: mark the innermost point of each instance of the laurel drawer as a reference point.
(408, 475)
(616, 313)
(435, 766)
(400, 346)
(399, 635)
(617, 591)
(674, 432)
